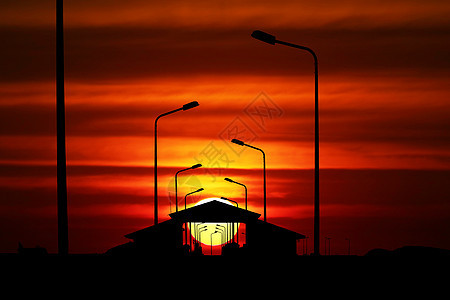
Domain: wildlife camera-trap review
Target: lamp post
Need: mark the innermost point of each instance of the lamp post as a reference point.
(241, 143)
(199, 190)
(270, 39)
(185, 227)
(155, 166)
(200, 231)
(223, 198)
(232, 181)
(196, 227)
(211, 239)
(222, 231)
(225, 231)
(176, 184)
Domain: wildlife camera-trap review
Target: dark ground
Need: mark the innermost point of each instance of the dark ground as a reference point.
(91, 276)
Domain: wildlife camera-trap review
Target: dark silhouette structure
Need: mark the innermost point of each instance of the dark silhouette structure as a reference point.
(270, 39)
(63, 234)
(166, 238)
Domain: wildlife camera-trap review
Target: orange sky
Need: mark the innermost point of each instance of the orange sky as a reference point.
(384, 126)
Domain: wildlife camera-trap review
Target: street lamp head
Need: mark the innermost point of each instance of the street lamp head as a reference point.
(264, 37)
(190, 105)
(223, 198)
(196, 166)
(237, 142)
(199, 190)
(228, 179)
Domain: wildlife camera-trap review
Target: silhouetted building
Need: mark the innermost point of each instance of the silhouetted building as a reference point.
(166, 238)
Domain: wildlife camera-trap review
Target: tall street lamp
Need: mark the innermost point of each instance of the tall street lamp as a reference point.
(176, 183)
(270, 39)
(232, 181)
(155, 166)
(241, 143)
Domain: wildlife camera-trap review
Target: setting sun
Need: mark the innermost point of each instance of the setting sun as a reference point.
(214, 234)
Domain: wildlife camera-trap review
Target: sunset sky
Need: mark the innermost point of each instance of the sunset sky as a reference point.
(384, 94)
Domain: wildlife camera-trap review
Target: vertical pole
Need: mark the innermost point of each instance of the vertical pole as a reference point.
(316, 159)
(264, 162)
(176, 193)
(63, 235)
(245, 197)
(155, 170)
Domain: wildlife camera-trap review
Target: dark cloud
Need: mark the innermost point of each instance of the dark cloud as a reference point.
(129, 53)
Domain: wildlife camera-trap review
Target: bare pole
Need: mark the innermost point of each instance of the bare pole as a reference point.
(63, 234)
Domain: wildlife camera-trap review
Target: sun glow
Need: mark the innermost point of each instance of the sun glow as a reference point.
(214, 234)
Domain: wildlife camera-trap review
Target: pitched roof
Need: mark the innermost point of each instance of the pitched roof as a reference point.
(160, 227)
(214, 211)
(269, 227)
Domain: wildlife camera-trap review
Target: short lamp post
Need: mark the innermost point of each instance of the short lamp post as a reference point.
(212, 240)
(241, 143)
(176, 183)
(232, 181)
